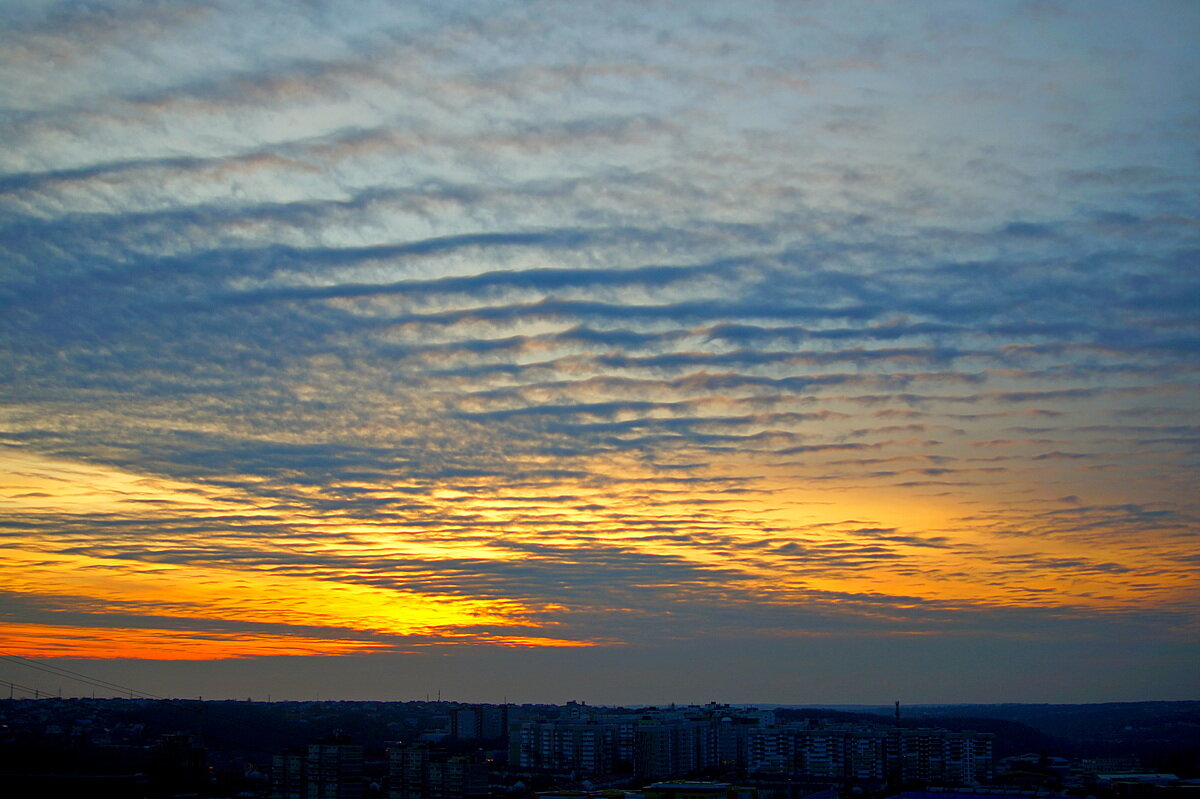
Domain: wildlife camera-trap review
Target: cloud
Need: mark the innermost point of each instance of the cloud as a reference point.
(584, 327)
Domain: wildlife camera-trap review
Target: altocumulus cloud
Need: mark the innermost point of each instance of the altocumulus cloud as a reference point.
(380, 327)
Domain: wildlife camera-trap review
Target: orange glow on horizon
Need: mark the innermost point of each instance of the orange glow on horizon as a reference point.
(786, 544)
(53, 641)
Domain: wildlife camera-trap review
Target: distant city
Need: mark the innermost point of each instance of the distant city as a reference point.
(150, 748)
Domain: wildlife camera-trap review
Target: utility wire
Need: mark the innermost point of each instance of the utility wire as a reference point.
(60, 671)
(65, 672)
(33, 691)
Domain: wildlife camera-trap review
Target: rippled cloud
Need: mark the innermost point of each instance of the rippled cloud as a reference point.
(358, 328)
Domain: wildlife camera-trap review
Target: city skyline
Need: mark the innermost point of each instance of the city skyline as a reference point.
(759, 352)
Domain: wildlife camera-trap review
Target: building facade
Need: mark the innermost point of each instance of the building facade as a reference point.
(661, 744)
(870, 753)
(328, 770)
(418, 772)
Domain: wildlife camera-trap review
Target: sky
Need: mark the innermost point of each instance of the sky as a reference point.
(792, 352)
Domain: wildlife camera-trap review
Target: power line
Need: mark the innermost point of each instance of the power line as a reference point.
(60, 671)
(12, 685)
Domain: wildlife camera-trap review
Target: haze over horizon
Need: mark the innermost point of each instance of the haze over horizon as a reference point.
(790, 352)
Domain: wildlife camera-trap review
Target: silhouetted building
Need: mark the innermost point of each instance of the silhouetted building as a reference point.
(653, 744)
(335, 770)
(676, 742)
(327, 770)
(479, 722)
(179, 762)
(418, 772)
(870, 753)
(587, 746)
(287, 775)
(939, 756)
(669, 748)
(820, 753)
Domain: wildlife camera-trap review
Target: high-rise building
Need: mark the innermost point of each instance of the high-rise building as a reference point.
(334, 770)
(653, 744)
(328, 770)
(418, 772)
(657, 744)
(586, 746)
(664, 749)
(868, 752)
(934, 755)
(479, 722)
(287, 776)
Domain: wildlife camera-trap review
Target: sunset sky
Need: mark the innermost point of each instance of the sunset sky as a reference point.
(824, 352)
